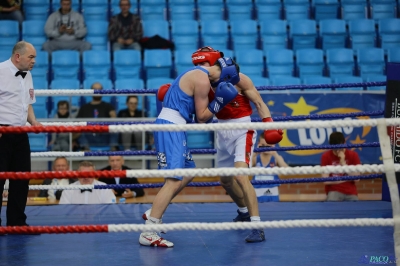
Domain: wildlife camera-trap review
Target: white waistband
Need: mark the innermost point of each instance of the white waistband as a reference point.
(171, 116)
(244, 119)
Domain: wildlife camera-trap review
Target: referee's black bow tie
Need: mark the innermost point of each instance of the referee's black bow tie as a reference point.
(83, 190)
(23, 74)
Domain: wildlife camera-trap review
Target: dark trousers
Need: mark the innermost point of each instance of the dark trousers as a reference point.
(15, 156)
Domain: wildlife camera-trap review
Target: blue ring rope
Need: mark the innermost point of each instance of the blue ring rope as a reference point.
(266, 182)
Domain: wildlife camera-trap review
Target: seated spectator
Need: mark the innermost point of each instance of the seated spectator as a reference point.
(340, 190)
(11, 10)
(60, 141)
(116, 163)
(87, 196)
(65, 29)
(60, 164)
(130, 139)
(150, 146)
(97, 109)
(125, 29)
(267, 159)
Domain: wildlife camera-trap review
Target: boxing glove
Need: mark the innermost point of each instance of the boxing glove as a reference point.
(162, 91)
(272, 136)
(224, 94)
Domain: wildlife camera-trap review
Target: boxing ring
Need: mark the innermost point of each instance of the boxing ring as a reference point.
(297, 233)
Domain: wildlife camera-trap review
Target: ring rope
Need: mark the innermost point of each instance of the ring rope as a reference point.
(203, 172)
(205, 184)
(199, 127)
(116, 228)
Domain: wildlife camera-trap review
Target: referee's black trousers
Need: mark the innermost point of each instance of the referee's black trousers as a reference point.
(15, 156)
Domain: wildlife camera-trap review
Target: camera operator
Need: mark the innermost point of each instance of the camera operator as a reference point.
(65, 29)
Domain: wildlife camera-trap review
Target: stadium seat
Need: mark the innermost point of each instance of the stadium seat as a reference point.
(393, 55)
(40, 107)
(185, 34)
(36, 9)
(129, 84)
(389, 32)
(371, 61)
(348, 79)
(40, 84)
(41, 68)
(296, 9)
(286, 81)
(76, 6)
(182, 10)
(9, 34)
(200, 140)
(183, 60)
(33, 32)
(259, 81)
(96, 64)
(268, 9)
(127, 64)
(340, 62)
(376, 78)
(65, 64)
(362, 33)
(38, 142)
(97, 34)
(303, 34)
(325, 9)
(244, 34)
(151, 104)
(381, 9)
(354, 9)
(210, 10)
(251, 61)
(64, 84)
(153, 9)
(239, 9)
(214, 33)
(5, 55)
(279, 63)
(316, 80)
(158, 63)
(333, 33)
(155, 27)
(273, 34)
(115, 9)
(310, 62)
(94, 10)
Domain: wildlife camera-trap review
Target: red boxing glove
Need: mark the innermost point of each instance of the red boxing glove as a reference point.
(162, 91)
(272, 136)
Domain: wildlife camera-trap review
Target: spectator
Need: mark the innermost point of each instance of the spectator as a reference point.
(60, 141)
(87, 196)
(65, 29)
(60, 164)
(131, 138)
(340, 190)
(11, 10)
(97, 109)
(267, 159)
(116, 163)
(125, 29)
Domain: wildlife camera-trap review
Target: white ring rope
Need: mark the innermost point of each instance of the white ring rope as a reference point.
(240, 226)
(72, 92)
(253, 125)
(58, 187)
(58, 154)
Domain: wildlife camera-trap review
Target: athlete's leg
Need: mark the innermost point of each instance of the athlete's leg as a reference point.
(233, 189)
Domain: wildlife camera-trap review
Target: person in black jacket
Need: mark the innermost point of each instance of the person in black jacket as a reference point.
(117, 163)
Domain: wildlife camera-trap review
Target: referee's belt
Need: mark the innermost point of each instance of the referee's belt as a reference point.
(2, 125)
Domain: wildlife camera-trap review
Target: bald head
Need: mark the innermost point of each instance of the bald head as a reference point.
(23, 56)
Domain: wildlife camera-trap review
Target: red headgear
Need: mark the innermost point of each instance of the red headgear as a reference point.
(210, 56)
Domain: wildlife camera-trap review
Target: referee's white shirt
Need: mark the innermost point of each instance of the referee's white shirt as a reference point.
(16, 94)
(97, 196)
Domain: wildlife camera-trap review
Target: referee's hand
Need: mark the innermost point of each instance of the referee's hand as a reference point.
(36, 124)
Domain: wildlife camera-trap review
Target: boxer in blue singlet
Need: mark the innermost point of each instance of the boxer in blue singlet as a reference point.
(187, 95)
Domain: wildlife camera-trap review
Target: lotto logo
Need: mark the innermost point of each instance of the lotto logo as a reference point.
(198, 57)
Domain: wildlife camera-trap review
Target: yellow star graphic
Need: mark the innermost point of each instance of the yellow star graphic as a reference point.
(271, 103)
(301, 107)
(358, 140)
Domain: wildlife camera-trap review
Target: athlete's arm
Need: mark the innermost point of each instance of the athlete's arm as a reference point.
(200, 95)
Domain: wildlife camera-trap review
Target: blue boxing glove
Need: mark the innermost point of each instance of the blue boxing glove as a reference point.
(224, 94)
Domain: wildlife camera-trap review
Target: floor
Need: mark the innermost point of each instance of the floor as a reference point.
(297, 246)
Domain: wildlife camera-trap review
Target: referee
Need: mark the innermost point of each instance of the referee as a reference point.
(16, 99)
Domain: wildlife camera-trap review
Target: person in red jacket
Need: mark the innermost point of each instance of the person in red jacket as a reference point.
(235, 147)
(340, 190)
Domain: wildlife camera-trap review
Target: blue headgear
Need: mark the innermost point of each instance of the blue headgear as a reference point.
(228, 71)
